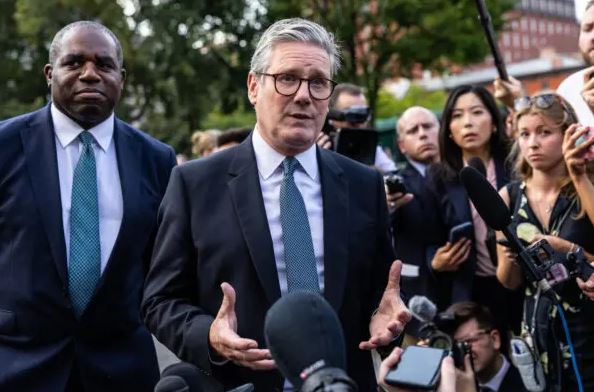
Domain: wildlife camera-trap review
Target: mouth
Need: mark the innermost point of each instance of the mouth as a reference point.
(90, 93)
(301, 116)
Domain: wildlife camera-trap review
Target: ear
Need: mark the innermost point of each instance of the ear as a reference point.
(252, 88)
(401, 146)
(496, 339)
(123, 75)
(47, 71)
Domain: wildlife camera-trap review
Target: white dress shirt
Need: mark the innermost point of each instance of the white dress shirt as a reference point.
(307, 179)
(571, 89)
(109, 190)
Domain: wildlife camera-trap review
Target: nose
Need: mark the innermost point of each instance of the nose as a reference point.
(89, 73)
(423, 132)
(533, 141)
(302, 94)
(466, 118)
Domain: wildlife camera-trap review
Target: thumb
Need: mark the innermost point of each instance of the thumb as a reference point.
(394, 276)
(228, 304)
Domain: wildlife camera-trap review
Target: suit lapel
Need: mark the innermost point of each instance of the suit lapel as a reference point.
(336, 217)
(129, 157)
(40, 154)
(244, 187)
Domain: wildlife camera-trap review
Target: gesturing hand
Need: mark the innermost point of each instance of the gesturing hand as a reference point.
(225, 341)
(576, 157)
(391, 315)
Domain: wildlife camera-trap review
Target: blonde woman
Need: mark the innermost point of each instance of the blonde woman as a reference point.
(545, 205)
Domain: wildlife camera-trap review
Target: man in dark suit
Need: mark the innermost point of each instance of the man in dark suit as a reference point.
(475, 325)
(414, 220)
(272, 215)
(79, 191)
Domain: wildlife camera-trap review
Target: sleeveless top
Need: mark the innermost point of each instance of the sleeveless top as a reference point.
(544, 323)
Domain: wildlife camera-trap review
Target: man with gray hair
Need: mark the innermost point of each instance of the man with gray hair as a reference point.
(76, 184)
(275, 214)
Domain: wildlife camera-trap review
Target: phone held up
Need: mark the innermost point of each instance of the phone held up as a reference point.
(419, 368)
(463, 230)
(394, 183)
(589, 135)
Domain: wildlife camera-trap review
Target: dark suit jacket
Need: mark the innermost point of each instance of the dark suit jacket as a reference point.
(213, 229)
(415, 227)
(40, 338)
(512, 382)
(451, 201)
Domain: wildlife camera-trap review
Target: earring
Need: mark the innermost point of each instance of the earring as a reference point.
(494, 129)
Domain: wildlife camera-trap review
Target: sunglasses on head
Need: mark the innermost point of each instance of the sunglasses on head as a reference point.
(542, 101)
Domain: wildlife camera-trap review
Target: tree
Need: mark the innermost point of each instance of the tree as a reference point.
(184, 58)
(384, 39)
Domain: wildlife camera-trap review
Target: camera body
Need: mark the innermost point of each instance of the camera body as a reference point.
(394, 183)
(557, 267)
(434, 333)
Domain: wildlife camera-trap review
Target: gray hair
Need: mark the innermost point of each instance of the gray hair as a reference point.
(56, 44)
(589, 4)
(295, 30)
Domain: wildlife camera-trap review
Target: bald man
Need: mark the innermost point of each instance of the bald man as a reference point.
(413, 219)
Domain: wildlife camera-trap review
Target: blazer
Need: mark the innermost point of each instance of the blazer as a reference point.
(40, 337)
(512, 382)
(213, 229)
(415, 226)
(453, 205)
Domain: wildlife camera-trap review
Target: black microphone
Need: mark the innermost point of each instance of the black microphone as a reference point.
(306, 341)
(496, 215)
(478, 164)
(172, 384)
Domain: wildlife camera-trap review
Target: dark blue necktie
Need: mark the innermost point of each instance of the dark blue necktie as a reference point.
(84, 267)
(300, 259)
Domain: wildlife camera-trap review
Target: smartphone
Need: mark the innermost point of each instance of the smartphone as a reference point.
(590, 153)
(394, 183)
(419, 368)
(463, 230)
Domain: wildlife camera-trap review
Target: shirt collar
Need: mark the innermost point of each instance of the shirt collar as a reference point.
(497, 379)
(268, 159)
(67, 130)
(420, 167)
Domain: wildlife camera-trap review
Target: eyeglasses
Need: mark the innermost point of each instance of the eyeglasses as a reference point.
(475, 337)
(287, 84)
(542, 101)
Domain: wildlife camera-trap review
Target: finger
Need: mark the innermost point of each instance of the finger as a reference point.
(448, 375)
(388, 363)
(588, 75)
(467, 364)
(228, 304)
(251, 355)
(394, 276)
(458, 253)
(235, 342)
(267, 364)
(407, 198)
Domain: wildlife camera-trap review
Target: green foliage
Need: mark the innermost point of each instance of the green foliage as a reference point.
(236, 119)
(390, 106)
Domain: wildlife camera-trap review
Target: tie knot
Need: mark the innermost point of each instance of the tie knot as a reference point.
(289, 165)
(86, 138)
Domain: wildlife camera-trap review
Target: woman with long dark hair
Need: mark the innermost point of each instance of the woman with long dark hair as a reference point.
(471, 127)
(546, 204)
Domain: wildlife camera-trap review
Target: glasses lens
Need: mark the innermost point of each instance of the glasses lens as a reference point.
(320, 88)
(522, 103)
(545, 101)
(286, 84)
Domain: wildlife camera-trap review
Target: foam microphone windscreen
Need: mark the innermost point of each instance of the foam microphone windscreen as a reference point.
(485, 198)
(196, 380)
(304, 334)
(478, 164)
(422, 308)
(172, 384)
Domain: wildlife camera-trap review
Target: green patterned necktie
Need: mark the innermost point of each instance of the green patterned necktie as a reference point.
(299, 252)
(84, 267)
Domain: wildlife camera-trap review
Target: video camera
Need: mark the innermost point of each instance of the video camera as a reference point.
(356, 143)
